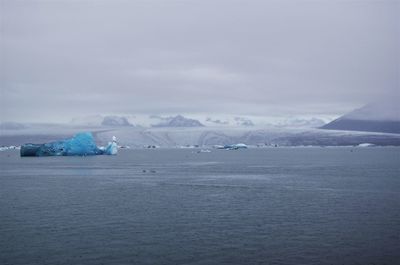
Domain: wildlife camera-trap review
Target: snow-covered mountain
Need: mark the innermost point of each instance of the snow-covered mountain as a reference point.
(171, 131)
(115, 121)
(232, 121)
(99, 120)
(205, 136)
(240, 121)
(197, 120)
(301, 123)
(202, 136)
(375, 117)
(262, 122)
(178, 121)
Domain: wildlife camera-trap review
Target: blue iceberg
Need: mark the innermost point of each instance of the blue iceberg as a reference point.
(82, 144)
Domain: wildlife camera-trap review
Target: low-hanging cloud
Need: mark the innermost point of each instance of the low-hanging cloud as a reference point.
(61, 59)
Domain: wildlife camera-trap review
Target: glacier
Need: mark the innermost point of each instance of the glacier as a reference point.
(82, 144)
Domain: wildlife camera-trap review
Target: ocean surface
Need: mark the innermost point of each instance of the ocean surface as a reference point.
(176, 206)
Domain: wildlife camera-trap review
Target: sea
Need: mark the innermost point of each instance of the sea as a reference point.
(181, 206)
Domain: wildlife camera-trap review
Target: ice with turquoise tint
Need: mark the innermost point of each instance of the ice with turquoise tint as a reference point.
(82, 144)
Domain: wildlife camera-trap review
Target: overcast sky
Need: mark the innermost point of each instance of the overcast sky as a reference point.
(62, 59)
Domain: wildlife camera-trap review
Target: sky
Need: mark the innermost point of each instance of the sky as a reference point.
(63, 59)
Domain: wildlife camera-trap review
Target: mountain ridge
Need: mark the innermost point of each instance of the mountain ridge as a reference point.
(376, 117)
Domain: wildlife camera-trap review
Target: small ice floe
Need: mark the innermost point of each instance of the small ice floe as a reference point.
(11, 147)
(235, 146)
(82, 144)
(204, 151)
(240, 146)
(365, 145)
(231, 146)
(189, 146)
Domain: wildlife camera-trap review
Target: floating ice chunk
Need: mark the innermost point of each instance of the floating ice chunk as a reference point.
(82, 144)
(365, 145)
(112, 147)
(240, 145)
(11, 147)
(233, 146)
(204, 151)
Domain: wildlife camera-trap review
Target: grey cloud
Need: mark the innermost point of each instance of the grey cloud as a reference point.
(62, 59)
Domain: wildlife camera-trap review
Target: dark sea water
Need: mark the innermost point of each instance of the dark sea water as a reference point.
(256, 206)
